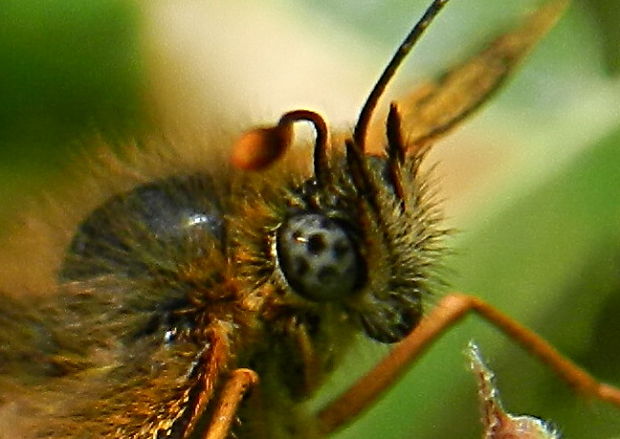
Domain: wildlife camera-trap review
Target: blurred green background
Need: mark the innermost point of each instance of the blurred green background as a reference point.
(539, 228)
(67, 68)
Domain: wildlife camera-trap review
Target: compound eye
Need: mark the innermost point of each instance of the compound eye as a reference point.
(318, 258)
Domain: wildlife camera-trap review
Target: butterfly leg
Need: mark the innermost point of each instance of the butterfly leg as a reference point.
(450, 310)
(240, 382)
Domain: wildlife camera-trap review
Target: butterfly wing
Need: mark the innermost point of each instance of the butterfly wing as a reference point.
(438, 106)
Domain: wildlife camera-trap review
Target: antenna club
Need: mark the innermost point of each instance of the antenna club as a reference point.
(258, 148)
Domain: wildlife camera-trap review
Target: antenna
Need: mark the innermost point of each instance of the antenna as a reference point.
(359, 134)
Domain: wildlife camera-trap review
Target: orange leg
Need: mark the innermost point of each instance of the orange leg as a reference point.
(224, 415)
(210, 366)
(448, 312)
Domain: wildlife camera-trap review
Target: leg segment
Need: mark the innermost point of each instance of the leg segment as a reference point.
(233, 392)
(450, 310)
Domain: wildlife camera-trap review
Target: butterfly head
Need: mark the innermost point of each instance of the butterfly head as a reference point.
(359, 234)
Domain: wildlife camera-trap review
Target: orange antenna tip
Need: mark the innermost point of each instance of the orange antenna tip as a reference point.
(259, 148)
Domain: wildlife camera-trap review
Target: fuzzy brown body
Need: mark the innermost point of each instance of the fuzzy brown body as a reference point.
(141, 366)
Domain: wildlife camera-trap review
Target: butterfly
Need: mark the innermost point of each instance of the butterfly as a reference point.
(221, 298)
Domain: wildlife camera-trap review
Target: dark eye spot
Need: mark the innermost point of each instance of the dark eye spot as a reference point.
(316, 244)
(327, 274)
(301, 267)
(341, 248)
